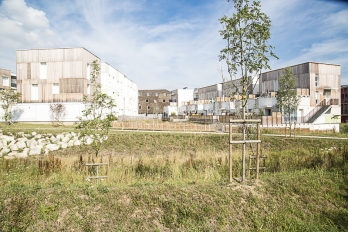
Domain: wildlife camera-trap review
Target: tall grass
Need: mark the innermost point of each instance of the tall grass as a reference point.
(170, 182)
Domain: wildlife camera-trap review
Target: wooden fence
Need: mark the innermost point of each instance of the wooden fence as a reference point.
(159, 126)
(196, 127)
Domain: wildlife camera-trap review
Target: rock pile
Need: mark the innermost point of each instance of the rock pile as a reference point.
(22, 145)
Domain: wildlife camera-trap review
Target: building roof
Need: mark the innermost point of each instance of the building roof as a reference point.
(57, 48)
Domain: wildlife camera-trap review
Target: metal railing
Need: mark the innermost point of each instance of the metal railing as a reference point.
(315, 110)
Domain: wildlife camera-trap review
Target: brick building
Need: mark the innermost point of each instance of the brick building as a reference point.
(344, 103)
(153, 101)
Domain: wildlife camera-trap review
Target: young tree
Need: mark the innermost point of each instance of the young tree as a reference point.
(96, 119)
(57, 111)
(8, 99)
(247, 51)
(287, 99)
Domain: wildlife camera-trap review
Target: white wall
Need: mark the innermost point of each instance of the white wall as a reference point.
(121, 89)
(40, 112)
(184, 95)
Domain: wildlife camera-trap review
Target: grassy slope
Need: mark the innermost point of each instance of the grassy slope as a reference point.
(305, 189)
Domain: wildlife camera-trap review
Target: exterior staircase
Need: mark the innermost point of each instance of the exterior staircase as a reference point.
(321, 108)
(317, 114)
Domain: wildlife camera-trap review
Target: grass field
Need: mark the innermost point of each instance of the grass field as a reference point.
(174, 181)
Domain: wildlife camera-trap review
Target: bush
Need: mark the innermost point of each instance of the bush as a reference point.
(344, 128)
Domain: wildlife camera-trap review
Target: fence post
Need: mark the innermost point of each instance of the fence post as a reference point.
(258, 151)
(230, 153)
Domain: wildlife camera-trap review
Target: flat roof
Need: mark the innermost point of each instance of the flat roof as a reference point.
(57, 48)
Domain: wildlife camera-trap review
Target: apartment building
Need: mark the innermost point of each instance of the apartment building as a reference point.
(8, 79)
(153, 101)
(119, 87)
(344, 103)
(45, 76)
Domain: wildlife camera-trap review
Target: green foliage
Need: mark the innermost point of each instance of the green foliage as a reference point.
(8, 99)
(247, 50)
(344, 128)
(173, 114)
(261, 112)
(287, 99)
(98, 115)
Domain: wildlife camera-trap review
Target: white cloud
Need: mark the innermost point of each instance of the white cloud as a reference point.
(21, 27)
(155, 50)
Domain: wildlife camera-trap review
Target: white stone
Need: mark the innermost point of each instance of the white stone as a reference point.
(52, 147)
(24, 139)
(21, 144)
(71, 143)
(38, 136)
(60, 137)
(66, 139)
(32, 142)
(13, 153)
(33, 133)
(23, 154)
(64, 145)
(35, 150)
(88, 141)
(14, 147)
(7, 138)
(77, 143)
(5, 151)
(11, 143)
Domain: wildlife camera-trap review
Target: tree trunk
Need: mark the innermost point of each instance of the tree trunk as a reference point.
(243, 149)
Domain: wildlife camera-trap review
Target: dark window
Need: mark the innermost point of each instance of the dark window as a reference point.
(164, 100)
(147, 100)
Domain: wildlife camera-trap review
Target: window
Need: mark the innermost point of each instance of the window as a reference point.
(5, 81)
(88, 89)
(34, 92)
(55, 88)
(154, 101)
(139, 107)
(148, 107)
(139, 93)
(317, 97)
(276, 85)
(164, 100)
(43, 70)
(147, 100)
(156, 94)
(88, 74)
(316, 79)
(165, 94)
(147, 94)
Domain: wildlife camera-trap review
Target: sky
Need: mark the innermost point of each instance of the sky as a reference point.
(171, 44)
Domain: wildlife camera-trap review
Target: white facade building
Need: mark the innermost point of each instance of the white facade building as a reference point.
(120, 88)
(62, 75)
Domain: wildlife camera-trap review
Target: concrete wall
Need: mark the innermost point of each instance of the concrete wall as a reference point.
(40, 112)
